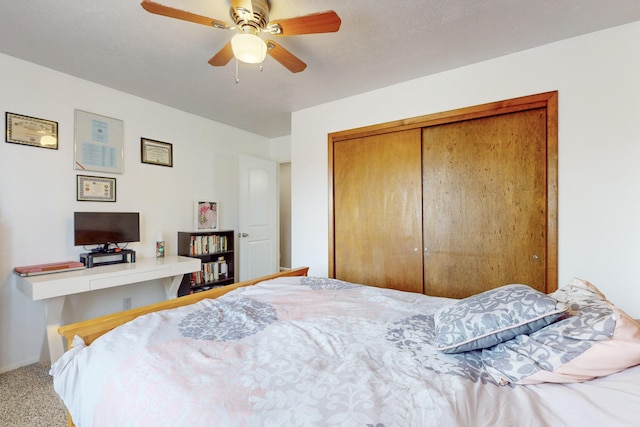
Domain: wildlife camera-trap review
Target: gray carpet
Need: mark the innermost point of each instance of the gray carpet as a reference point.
(27, 398)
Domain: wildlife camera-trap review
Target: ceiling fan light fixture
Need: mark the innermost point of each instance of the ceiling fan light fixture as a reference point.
(248, 48)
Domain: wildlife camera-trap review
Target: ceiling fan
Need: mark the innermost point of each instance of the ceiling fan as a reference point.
(251, 18)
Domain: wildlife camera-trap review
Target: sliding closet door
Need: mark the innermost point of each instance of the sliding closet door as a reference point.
(378, 210)
(485, 203)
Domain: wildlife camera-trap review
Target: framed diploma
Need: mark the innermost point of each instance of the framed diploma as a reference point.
(156, 152)
(96, 189)
(27, 130)
(98, 143)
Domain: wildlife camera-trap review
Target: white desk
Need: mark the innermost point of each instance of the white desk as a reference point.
(53, 288)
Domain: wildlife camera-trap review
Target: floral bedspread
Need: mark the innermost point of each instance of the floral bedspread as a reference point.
(305, 351)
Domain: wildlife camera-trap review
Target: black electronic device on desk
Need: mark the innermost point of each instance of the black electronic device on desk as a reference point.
(95, 259)
(105, 229)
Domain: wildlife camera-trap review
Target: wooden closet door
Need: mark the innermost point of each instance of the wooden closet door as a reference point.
(485, 207)
(378, 210)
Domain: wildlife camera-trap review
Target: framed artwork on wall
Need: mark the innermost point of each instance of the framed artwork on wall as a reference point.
(98, 143)
(156, 152)
(205, 216)
(95, 189)
(31, 131)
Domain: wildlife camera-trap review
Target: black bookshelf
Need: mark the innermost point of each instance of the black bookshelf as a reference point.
(215, 249)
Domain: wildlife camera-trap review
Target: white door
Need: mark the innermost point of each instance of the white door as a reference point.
(258, 226)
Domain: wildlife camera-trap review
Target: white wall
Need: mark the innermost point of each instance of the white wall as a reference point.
(38, 191)
(597, 76)
(281, 149)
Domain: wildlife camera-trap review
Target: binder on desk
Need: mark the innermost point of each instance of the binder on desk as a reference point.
(54, 267)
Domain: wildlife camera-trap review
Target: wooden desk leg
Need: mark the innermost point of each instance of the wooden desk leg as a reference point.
(171, 286)
(53, 315)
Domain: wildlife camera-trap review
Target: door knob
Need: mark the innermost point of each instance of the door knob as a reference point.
(243, 235)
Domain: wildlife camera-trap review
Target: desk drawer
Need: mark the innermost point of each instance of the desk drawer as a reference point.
(110, 282)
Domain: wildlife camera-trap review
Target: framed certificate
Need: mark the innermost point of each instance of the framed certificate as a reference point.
(98, 143)
(156, 152)
(95, 189)
(27, 130)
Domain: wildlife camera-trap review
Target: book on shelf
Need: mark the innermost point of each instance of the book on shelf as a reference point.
(207, 244)
(210, 272)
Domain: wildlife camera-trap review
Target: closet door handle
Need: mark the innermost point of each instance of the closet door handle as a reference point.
(243, 235)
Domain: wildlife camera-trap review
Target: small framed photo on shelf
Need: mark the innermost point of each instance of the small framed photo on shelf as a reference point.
(31, 131)
(96, 189)
(205, 216)
(156, 152)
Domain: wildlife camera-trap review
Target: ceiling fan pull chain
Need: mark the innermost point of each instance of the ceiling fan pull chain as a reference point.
(237, 77)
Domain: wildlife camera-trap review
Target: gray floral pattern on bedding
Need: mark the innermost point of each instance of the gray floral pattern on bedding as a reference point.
(416, 336)
(319, 283)
(228, 321)
(494, 316)
(590, 319)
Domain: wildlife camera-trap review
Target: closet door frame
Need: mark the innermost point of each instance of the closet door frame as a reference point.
(547, 101)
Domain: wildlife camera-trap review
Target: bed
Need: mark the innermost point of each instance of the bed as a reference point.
(294, 350)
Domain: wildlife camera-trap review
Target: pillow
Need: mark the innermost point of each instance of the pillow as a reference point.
(594, 338)
(493, 316)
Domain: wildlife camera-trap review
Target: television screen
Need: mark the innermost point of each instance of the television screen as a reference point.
(102, 228)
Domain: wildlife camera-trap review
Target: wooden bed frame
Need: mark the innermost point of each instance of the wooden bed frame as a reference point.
(91, 329)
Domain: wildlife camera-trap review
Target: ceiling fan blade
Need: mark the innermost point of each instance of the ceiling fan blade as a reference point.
(322, 22)
(160, 9)
(223, 56)
(286, 58)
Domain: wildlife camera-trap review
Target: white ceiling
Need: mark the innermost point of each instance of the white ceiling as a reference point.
(118, 44)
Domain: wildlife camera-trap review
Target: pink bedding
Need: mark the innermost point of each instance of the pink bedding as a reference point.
(304, 351)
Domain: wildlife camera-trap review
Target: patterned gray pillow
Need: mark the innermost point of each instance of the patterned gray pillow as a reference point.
(593, 339)
(491, 317)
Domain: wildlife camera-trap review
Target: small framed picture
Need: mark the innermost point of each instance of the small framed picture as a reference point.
(156, 152)
(95, 189)
(31, 131)
(206, 216)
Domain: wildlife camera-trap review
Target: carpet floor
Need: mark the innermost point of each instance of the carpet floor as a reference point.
(27, 398)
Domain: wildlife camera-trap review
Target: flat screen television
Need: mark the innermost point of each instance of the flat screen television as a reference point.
(105, 228)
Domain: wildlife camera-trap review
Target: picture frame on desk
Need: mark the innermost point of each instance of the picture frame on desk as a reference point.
(95, 189)
(156, 152)
(205, 215)
(25, 130)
